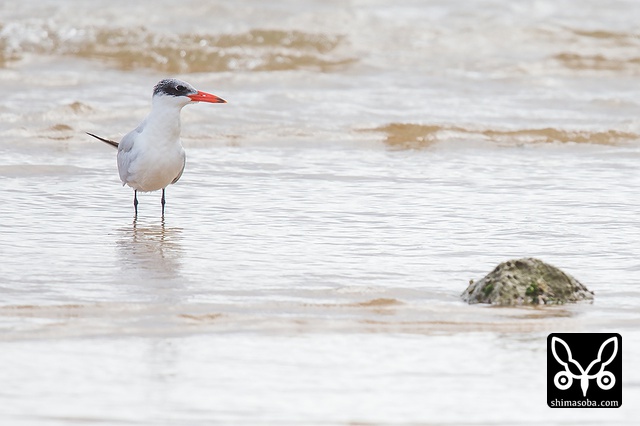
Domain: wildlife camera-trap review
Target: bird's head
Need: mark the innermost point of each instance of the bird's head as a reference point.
(181, 93)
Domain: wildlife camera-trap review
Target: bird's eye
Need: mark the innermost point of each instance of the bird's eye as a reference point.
(180, 88)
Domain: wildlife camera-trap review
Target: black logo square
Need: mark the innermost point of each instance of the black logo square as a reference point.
(584, 370)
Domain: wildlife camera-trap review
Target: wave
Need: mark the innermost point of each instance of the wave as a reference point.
(598, 62)
(596, 50)
(123, 48)
(417, 136)
(625, 38)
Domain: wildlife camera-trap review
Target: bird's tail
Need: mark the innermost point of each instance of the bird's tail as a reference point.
(107, 141)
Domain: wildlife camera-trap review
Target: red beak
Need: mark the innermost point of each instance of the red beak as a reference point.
(207, 97)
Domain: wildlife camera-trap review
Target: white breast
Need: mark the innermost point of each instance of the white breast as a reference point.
(151, 157)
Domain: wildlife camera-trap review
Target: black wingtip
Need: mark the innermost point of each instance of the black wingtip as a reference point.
(107, 141)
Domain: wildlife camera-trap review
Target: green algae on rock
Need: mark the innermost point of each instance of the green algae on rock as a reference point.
(526, 281)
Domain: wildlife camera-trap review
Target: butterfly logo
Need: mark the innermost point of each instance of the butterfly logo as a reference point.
(564, 379)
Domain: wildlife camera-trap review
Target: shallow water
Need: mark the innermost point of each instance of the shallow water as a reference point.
(371, 161)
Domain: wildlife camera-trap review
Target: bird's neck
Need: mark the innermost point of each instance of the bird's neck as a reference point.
(164, 120)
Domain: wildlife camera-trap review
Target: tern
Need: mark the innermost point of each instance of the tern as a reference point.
(151, 156)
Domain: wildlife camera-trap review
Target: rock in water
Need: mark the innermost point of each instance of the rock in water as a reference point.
(526, 281)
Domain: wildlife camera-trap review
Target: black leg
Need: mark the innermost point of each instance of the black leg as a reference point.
(162, 201)
(135, 200)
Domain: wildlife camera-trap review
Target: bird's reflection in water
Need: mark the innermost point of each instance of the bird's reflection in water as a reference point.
(152, 250)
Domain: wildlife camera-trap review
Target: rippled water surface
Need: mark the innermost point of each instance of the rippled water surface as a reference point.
(372, 159)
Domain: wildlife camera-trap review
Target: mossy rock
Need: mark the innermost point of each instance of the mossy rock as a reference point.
(526, 281)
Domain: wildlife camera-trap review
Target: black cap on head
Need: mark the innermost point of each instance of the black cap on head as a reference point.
(173, 87)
